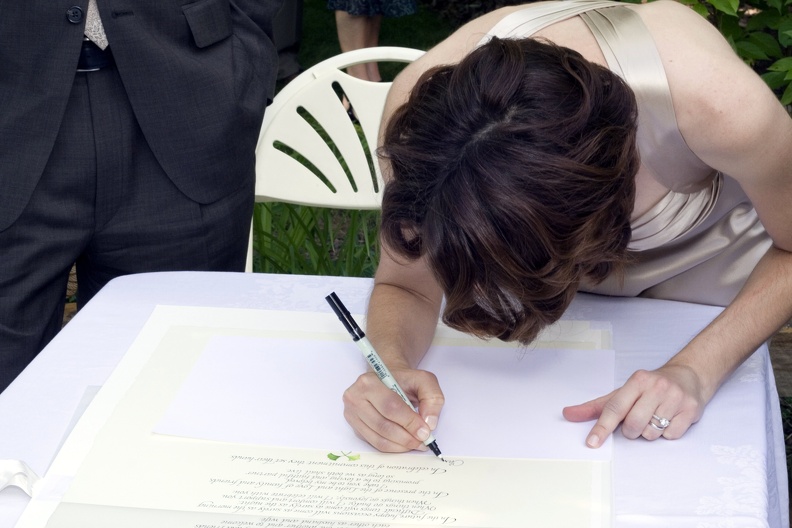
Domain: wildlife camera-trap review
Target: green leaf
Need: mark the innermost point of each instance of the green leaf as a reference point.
(728, 7)
(785, 31)
(700, 9)
(786, 98)
(766, 43)
(353, 457)
(749, 50)
(774, 80)
(731, 29)
(783, 65)
(331, 456)
(763, 20)
(777, 4)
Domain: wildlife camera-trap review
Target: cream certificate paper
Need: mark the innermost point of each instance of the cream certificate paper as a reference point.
(120, 469)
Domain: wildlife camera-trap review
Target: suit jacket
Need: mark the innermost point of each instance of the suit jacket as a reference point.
(198, 74)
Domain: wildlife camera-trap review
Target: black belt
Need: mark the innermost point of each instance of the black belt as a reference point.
(93, 58)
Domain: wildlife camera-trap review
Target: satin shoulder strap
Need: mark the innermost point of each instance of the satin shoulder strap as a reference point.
(526, 22)
(632, 54)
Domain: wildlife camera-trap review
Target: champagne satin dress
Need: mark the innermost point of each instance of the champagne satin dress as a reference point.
(701, 241)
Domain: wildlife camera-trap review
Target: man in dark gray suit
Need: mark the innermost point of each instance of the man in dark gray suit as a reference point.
(137, 157)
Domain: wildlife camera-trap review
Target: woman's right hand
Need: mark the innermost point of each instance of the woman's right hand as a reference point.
(380, 417)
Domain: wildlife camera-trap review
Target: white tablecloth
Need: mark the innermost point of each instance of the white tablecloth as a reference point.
(728, 471)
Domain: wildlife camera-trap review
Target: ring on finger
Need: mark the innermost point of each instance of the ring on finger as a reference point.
(659, 423)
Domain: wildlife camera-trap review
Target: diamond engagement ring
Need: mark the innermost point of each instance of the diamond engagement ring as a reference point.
(659, 423)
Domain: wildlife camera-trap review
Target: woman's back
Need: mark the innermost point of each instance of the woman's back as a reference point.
(683, 206)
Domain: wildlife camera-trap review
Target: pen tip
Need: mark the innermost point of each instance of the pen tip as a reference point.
(436, 450)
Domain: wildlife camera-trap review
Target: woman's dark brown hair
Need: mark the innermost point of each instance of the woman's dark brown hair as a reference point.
(512, 173)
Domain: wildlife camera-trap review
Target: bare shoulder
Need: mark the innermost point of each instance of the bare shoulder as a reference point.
(723, 108)
(689, 46)
(667, 14)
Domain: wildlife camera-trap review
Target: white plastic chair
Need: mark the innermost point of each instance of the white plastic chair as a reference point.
(308, 118)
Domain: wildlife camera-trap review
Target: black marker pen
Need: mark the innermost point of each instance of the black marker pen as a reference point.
(373, 358)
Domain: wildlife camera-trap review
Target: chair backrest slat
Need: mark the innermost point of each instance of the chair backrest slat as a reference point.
(309, 150)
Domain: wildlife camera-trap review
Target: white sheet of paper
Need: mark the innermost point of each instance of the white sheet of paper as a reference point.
(501, 402)
(114, 471)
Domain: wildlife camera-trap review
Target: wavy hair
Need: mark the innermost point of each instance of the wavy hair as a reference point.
(513, 174)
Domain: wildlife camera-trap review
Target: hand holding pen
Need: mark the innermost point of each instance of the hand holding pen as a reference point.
(377, 365)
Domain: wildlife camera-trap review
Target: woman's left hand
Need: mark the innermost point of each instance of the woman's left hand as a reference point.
(663, 402)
